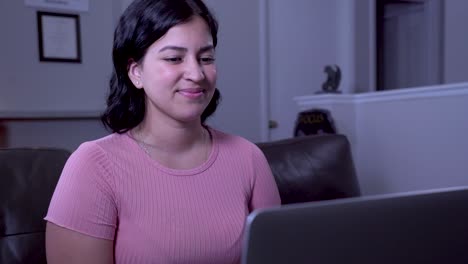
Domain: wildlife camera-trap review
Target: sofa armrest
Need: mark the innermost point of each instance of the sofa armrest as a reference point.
(27, 181)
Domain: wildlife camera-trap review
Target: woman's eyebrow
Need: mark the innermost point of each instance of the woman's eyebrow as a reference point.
(207, 48)
(176, 48)
(182, 49)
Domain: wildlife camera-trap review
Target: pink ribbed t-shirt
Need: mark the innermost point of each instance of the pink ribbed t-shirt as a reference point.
(111, 189)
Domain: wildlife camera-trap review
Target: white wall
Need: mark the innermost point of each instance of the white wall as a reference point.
(237, 57)
(456, 41)
(364, 46)
(413, 144)
(32, 89)
(28, 85)
(411, 139)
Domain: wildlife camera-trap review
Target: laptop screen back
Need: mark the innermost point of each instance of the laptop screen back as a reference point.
(419, 227)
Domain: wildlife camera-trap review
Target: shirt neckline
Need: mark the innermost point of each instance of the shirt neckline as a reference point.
(179, 172)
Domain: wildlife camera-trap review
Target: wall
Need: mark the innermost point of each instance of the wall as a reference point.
(28, 85)
(456, 41)
(37, 97)
(364, 46)
(22, 76)
(237, 58)
(410, 139)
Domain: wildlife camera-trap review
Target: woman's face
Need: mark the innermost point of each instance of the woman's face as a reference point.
(178, 73)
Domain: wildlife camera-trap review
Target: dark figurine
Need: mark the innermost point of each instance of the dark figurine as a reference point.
(333, 79)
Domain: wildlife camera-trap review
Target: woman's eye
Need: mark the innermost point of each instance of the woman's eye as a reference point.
(207, 60)
(173, 59)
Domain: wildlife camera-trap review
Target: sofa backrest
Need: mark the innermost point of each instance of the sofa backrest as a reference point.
(28, 177)
(308, 168)
(312, 168)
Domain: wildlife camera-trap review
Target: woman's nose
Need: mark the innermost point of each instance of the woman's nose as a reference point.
(194, 71)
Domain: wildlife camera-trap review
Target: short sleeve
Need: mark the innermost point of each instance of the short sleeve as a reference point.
(83, 199)
(264, 189)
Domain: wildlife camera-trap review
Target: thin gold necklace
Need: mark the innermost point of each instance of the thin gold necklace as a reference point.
(144, 145)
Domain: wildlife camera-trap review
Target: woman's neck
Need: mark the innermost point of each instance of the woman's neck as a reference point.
(170, 138)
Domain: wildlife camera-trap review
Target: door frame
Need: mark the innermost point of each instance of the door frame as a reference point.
(264, 71)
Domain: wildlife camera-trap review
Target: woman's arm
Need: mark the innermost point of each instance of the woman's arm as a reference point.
(82, 215)
(68, 246)
(264, 189)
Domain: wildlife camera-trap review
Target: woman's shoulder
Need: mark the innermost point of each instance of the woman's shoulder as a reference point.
(233, 141)
(102, 146)
(227, 138)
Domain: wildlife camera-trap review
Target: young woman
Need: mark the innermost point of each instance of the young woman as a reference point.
(163, 187)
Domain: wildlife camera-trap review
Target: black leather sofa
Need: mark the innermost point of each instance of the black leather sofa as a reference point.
(27, 180)
(308, 168)
(312, 168)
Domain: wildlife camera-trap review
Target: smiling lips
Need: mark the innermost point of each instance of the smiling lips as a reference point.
(192, 93)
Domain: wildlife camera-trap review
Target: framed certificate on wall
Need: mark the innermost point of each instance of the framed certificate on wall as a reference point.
(59, 37)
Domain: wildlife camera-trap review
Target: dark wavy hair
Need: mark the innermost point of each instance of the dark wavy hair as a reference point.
(141, 24)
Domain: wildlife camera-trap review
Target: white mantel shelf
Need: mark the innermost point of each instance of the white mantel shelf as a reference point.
(382, 96)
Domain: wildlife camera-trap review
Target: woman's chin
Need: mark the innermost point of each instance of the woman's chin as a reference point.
(189, 117)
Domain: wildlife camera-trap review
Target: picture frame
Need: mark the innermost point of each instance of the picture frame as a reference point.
(59, 37)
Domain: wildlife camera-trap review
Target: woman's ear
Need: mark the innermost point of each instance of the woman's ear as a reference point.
(134, 73)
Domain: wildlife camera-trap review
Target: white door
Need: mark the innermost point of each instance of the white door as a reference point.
(301, 40)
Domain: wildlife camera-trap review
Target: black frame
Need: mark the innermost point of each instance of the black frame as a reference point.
(76, 19)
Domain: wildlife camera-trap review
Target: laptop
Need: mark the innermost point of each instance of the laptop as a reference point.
(425, 227)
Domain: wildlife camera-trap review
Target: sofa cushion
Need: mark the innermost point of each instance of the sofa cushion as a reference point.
(312, 168)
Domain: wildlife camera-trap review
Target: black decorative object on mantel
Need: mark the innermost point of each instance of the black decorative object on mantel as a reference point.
(332, 82)
(313, 122)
